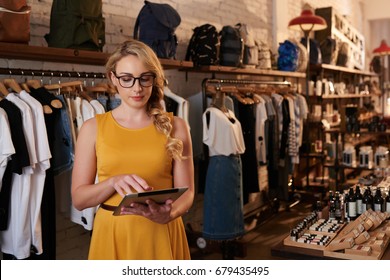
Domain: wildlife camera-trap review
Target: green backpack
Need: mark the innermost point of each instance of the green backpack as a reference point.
(77, 24)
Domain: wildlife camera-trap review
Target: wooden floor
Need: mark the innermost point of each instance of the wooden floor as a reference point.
(73, 240)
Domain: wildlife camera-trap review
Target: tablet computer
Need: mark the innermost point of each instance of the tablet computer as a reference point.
(159, 196)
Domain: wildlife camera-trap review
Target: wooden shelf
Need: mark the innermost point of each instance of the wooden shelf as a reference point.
(246, 71)
(340, 69)
(36, 53)
(361, 131)
(347, 96)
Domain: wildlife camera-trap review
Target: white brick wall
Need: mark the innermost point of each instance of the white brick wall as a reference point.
(120, 19)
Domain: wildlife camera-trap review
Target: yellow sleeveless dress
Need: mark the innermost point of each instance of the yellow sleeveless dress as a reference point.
(120, 150)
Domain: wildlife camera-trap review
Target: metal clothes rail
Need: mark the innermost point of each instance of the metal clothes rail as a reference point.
(50, 73)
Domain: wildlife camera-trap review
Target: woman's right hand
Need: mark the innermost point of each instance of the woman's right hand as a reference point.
(125, 184)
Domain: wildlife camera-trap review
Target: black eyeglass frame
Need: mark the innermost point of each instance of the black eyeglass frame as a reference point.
(134, 79)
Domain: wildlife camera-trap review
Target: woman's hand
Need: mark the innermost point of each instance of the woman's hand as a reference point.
(158, 213)
(123, 184)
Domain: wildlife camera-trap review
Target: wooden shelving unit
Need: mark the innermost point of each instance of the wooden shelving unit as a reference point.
(36, 53)
(246, 71)
(340, 69)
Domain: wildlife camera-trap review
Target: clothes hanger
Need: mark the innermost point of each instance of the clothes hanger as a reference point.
(11, 83)
(110, 89)
(85, 95)
(25, 87)
(66, 86)
(248, 93)
(4, 91)
(33, 83)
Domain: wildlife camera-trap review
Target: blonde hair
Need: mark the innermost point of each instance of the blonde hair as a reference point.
(154, 108)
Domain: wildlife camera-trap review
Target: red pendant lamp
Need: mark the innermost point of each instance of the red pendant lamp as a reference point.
(383, 49)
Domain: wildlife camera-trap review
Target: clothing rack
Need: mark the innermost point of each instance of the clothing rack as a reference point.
(254, 208)
(219, 82)
(51, 74)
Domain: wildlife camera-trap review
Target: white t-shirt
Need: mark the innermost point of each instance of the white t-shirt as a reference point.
(182, 104)
(38, 177)
(97, 106)
(222, 133)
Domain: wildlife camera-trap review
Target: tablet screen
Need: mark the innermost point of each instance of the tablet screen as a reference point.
(159, 196)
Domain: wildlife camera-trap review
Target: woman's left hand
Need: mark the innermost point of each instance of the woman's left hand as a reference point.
(158, 213)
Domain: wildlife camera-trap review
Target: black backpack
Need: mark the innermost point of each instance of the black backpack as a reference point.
(155, 26)
(77, 25)
(203, 48)
(232, 47)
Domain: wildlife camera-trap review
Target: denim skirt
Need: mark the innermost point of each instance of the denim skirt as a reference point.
(223, 217)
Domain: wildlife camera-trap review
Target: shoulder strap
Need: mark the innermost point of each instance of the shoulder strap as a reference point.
(136, 27)
(191, 43)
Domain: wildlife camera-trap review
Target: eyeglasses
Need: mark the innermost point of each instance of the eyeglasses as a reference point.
(128, 81)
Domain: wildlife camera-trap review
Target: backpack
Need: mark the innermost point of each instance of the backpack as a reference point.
(329, 51)
(288, 56)
(155, 26)
(203, 48)
(376, 65)
(264, 56)
(302, 56)
(251, 52)
(315, 51)
(343, 56)
(77, 25)
(231, 50)
(14, 21)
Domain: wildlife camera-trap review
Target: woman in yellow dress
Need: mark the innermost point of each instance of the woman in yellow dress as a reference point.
(136, 147)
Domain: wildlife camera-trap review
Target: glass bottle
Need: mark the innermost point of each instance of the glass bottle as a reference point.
(351, 202)
(359, 201)
(388, 202)
(337, 205)
(367, 199)
(378, 201)
(332, 210)
(346, 195)
(319, 209)
(330, 198)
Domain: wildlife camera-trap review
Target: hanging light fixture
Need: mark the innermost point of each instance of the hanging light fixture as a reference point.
(307, 22)
(383, 49)
(382, 52)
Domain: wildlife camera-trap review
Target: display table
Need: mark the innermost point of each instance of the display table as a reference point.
(366, 238)
(289, 252)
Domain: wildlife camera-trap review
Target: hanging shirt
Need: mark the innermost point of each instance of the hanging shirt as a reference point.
(43, 163)
(84, 217)
(222, 133)
(6, 146)
(261, 117)
(182, 104)
(19, 160)
(17, 239)
(97, 106)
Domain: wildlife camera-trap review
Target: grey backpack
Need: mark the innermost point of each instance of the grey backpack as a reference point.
(231, 50)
